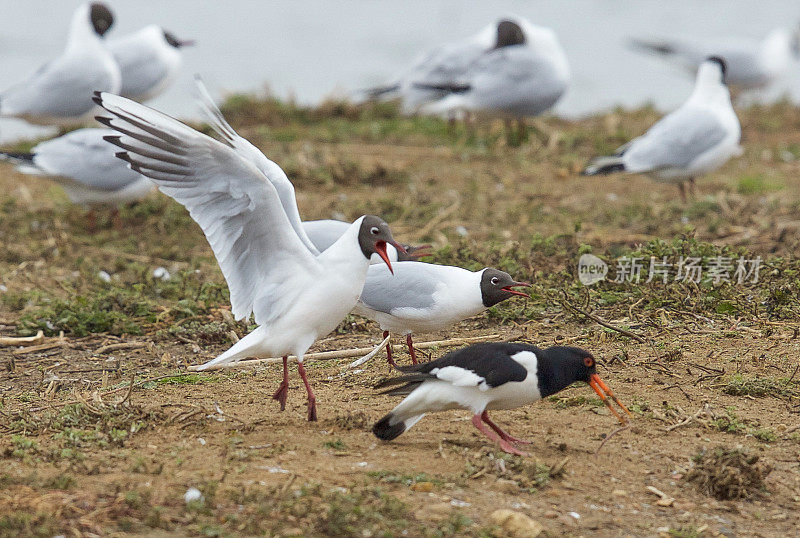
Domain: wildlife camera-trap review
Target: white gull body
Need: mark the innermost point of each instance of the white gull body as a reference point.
(699, 137)
(150, 61)
(85, 166)
(60, 92)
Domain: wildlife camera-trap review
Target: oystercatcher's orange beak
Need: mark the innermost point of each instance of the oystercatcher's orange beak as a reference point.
(517, 285)
(602, 390)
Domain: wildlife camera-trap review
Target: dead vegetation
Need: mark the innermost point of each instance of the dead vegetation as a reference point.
(104, 429)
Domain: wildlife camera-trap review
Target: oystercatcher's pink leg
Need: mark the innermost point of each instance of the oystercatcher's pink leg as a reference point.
(312, 401)
(388, 349)
(504, 445)
(283, 390)
(410, 345)
(503, 435)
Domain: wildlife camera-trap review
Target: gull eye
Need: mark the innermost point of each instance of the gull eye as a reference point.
(495, 281)
(588, 361)
(374, 230)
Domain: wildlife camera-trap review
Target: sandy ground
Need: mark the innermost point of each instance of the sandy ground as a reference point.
(85, 454)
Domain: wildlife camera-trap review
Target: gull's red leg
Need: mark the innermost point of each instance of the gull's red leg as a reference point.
(312, 400)
(410, 345)
(503, 435)
(388, 349)
(504, 445)
(283, 388)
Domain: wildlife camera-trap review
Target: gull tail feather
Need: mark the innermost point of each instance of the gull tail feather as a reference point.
(250, 345)
(382, 92)
(604, 165)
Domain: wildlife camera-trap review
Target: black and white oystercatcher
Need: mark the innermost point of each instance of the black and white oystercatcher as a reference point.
(485, 377)
(245, 205)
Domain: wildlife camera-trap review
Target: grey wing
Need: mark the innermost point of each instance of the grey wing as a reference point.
(675, 141)
(409, 287)
(516, 79)
(141, 68)
(61, 88)
(228, 196)
(324, 233)
(83, 156)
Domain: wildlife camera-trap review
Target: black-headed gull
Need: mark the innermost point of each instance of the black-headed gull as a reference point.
(699, 137)
(324, 233)
(85, 166)
(752, 63)
(60, 92)
(423, 297)
(520, 79)
(485, 377)
(235, 194)
(149, 59)
(436, 73)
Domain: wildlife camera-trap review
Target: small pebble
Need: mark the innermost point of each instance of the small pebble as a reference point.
(105, 277)
(191, 495)
(161, 273)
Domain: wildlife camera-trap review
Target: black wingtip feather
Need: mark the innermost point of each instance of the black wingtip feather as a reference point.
(385, 431)
(105, 120)
(124, 156)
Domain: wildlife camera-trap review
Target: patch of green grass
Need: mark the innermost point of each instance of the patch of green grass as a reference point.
(756, 184)
(337, 444)
(575, 401)
(395, 477)
(759, 387)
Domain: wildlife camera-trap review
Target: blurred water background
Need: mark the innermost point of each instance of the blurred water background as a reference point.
(313, 49)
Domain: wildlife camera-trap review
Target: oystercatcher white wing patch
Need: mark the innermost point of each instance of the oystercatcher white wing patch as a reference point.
(460, 377)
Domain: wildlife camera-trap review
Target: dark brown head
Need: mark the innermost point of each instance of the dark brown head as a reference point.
(373, 236)
(101, 18)
(509, 33)
(723, 66)
(496, 287)
(170, 38)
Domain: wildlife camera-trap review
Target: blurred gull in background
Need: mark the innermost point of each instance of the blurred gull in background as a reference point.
(694, 140)
(149, 60)
(60, 92)
(752, 63)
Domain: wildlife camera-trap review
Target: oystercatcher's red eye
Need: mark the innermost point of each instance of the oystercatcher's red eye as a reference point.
(588, 361)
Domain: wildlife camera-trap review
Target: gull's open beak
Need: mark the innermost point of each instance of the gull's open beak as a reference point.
(517, 285)
(380, 249)
(602, 390)
(415, 253)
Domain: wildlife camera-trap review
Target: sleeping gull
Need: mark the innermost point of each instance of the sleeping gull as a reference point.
(696, 139)
(238, 197)
(85, 166)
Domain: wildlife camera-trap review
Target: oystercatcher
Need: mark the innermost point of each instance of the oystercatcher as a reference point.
(485, 377)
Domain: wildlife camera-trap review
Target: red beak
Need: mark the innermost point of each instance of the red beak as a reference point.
(380, 249)
(515, 292)
(600, 388)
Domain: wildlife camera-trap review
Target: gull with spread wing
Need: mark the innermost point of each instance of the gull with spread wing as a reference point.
(246, 207)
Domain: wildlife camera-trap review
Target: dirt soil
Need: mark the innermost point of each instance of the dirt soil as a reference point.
(84, 452)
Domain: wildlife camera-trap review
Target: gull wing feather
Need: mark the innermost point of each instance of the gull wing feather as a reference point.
(227, 195)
